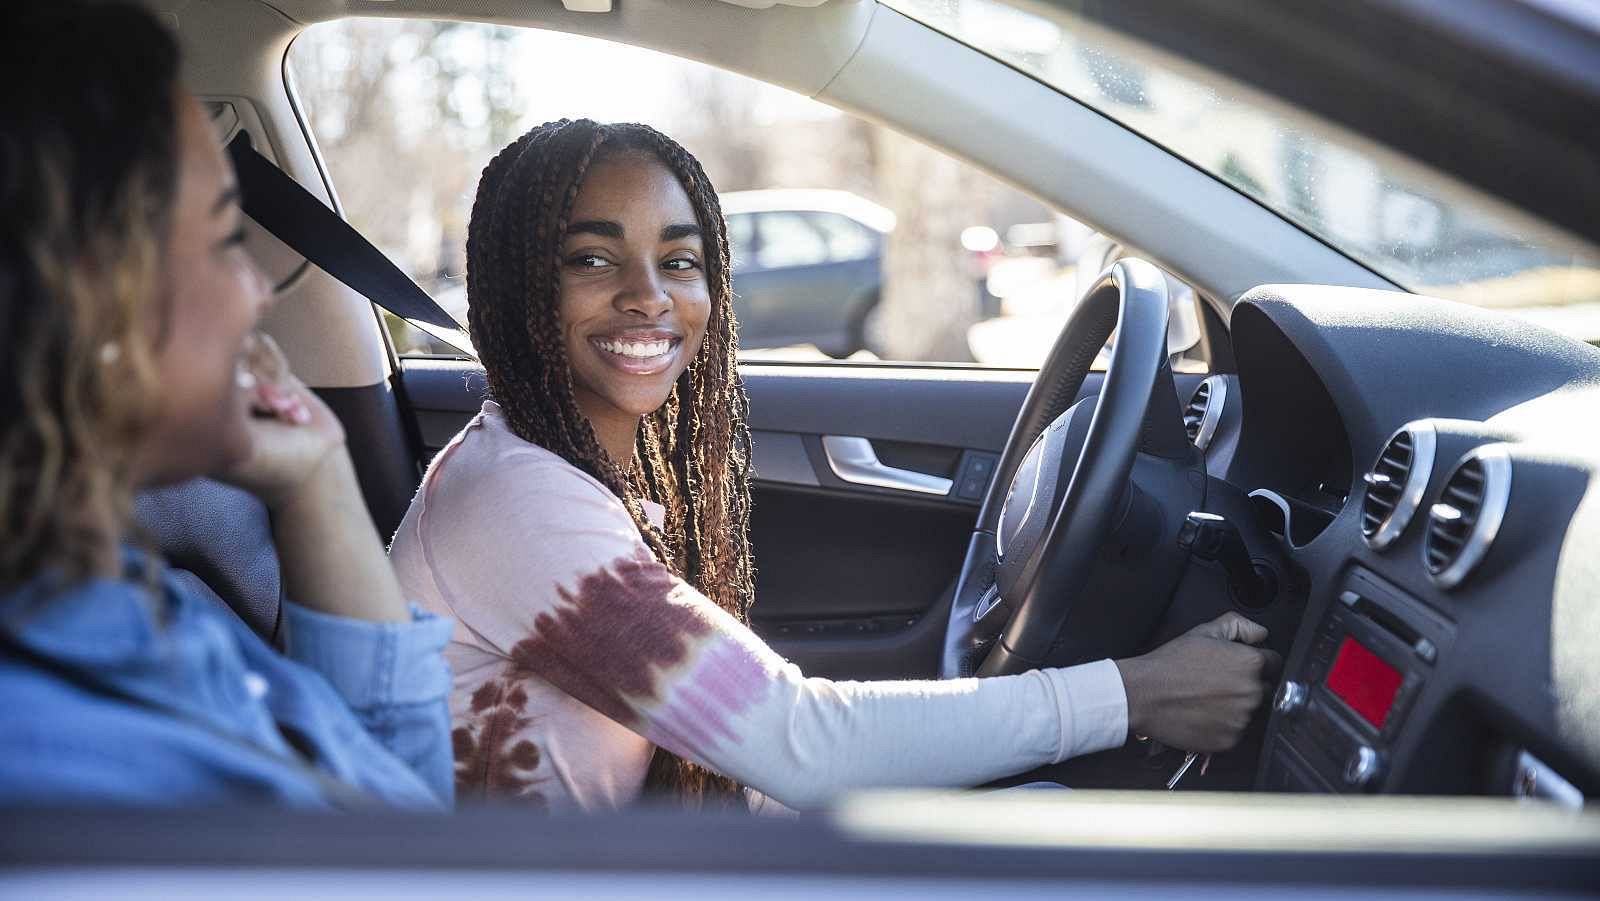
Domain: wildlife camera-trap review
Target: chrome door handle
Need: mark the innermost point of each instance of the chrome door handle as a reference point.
(853, 460)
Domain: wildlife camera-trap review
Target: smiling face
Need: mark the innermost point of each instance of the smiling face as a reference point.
(634, 297)
(215, 294)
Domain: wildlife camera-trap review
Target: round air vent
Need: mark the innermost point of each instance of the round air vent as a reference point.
(1462, 525)
(1204, 410)
(1396, 482)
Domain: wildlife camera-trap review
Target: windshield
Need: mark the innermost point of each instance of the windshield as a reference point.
(1378, 211)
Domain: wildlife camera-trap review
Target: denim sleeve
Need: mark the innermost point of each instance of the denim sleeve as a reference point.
(393, 676)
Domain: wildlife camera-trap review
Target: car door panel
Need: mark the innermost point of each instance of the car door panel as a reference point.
(852, 580)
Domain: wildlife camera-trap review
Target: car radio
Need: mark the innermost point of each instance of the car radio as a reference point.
(1340, 712)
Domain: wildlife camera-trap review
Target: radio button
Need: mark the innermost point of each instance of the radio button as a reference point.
(1426, 651)
(1363, 767)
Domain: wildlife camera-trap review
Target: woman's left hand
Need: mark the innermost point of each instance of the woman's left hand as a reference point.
(331, 556)
(293, 433)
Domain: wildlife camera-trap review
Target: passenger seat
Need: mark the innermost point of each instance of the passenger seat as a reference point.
(218, 539)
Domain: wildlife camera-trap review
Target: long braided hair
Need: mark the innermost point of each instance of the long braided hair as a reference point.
(693, 454)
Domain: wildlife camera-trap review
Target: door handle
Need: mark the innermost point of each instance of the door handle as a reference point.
(853, 460)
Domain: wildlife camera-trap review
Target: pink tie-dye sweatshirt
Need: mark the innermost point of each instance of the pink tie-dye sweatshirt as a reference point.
(576, 653)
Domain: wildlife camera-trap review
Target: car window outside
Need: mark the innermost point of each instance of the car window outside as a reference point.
(850, 241)
(789, 239)
(847, 240)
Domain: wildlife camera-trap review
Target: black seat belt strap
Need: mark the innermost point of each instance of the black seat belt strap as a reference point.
(297, 218)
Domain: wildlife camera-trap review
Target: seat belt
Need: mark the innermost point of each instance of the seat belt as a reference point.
(296, 217)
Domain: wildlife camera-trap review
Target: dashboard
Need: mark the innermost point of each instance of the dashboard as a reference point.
(1432, 474)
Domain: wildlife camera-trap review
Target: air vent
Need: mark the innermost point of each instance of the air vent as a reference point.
(1462, 525)
(1396, 482)
(1204, 410)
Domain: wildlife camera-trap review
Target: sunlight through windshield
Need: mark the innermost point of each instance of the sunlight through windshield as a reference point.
(1300, 168)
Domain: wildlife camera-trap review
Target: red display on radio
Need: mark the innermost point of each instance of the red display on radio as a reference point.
(1363, 680)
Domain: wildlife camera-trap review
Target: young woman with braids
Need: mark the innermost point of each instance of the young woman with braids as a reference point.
(588, 530)
(128, 357)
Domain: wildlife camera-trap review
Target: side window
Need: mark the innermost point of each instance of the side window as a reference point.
(788, 239)
(849, 240)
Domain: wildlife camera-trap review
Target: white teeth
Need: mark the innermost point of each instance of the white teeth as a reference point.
(640, 349)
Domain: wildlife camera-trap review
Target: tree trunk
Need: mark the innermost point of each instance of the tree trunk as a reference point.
(930, 294)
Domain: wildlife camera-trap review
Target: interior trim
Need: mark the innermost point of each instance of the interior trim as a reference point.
(781, 457)
(1227, 841)
(852, 459)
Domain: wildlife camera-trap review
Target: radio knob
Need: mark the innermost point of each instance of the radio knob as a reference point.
(1362, 767)
(1290, 699)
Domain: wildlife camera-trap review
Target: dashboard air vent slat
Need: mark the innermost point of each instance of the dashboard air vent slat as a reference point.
(1464, 522)
(1195, 413)
(1395, 483)
(1204, 410)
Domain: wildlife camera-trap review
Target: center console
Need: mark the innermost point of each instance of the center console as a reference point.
(1340, 711)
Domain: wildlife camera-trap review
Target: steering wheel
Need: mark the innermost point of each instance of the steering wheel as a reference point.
(1051, 505)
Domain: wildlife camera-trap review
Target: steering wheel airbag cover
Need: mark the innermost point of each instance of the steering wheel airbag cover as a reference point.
(1036, 491)
(1021, 501)
(1130, 297)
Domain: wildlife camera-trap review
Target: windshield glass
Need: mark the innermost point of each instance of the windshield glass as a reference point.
(1378, 211)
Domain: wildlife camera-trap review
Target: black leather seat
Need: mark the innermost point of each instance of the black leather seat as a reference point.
(219, 540)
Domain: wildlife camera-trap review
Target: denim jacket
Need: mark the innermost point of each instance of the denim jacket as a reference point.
(156, 695)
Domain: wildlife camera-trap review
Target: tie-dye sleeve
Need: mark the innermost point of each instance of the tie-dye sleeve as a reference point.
(544, 564)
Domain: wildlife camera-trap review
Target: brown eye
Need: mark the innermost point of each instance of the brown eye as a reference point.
(682, 264)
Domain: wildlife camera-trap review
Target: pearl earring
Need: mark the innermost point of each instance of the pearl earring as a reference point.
(110, 352)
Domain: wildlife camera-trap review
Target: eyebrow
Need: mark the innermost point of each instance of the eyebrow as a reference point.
(606, 228)
(227, 198)
(602, 227)
(682, 230)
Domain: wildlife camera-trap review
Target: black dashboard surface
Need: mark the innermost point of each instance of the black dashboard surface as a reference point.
(1326, 375)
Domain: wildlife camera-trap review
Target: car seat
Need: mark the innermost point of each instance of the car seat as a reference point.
(218, 540)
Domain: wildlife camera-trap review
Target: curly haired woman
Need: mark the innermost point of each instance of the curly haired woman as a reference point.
(588, 530)
(128, 358)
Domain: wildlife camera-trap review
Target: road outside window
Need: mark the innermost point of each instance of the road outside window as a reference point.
(850, 241)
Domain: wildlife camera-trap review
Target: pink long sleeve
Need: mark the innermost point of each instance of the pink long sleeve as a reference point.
(576, 650)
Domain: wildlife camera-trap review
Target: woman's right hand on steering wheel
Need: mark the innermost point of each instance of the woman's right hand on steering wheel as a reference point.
(1198, 691)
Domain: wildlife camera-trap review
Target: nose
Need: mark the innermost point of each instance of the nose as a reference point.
(642, 292)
